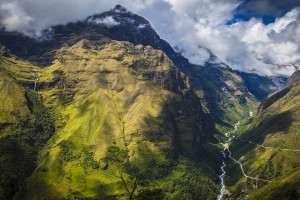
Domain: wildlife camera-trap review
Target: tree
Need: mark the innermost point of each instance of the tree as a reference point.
(116, 155)
(151, 194)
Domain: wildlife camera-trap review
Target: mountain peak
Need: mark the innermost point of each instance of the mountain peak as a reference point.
(119, 16)
(119, 8)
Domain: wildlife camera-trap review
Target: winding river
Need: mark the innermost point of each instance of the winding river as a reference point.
(222, 176)
(226, 147)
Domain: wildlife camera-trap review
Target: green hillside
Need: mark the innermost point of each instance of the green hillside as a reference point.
(270, 150)
(126, 123)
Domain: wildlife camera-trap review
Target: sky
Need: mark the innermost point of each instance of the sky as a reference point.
(260, 36)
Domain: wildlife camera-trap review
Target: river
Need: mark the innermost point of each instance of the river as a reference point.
(222, 176)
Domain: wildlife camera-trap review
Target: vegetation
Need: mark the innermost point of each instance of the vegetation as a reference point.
(122, 116)
(20, 145)
(273, 153)
(119, 120)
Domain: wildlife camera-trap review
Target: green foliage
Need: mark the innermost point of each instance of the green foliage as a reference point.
(150, 194)
(261, 86)
(76, 195)
(115, 154)
(88, 160)
(18, 150)
(190, 180)
(224, 92)
(132, 95)
(65, 154)
(272, 153)
(43, 123)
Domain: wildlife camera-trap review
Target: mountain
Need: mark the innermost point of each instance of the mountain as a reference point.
(122, 25)
(25, 124)
(105, 109)
(269, 149)
(99, 119)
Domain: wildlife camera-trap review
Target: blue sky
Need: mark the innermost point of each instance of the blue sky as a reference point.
(260, 36)
(268, 10)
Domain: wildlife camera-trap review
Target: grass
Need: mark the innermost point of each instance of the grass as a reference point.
(275, 126)
(121, 94)
(13, 100)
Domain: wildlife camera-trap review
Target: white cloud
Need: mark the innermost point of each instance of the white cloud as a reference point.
(192, 26)
(276, 43)
(251, 46)
(15, 20)
(108, 21)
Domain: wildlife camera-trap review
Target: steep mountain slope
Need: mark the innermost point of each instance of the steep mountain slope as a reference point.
(25, 125)
(122, 113)
(224, 94)
(123, 25)
(270, 149)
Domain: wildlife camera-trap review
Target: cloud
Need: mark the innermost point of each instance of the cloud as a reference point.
(252, 46)
(15, 20)
(108, 21)
(192, 26)
(39, 14)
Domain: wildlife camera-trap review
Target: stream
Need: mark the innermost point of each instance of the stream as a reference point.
(222, 176)
(220, 196)
(36, 79)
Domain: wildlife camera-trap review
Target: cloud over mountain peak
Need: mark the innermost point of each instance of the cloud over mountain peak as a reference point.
(192, 26)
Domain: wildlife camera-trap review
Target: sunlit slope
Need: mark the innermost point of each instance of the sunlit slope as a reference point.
(113, 94)
(223, 91)
(25, 125)
(275, 156)
(12, 98)
(12, 95)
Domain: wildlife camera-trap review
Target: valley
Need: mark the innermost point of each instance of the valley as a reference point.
(113, 112)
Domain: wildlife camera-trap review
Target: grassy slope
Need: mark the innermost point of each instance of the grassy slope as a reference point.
(277, 126)
(13, 101)
(108, 93)
(24, 128)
